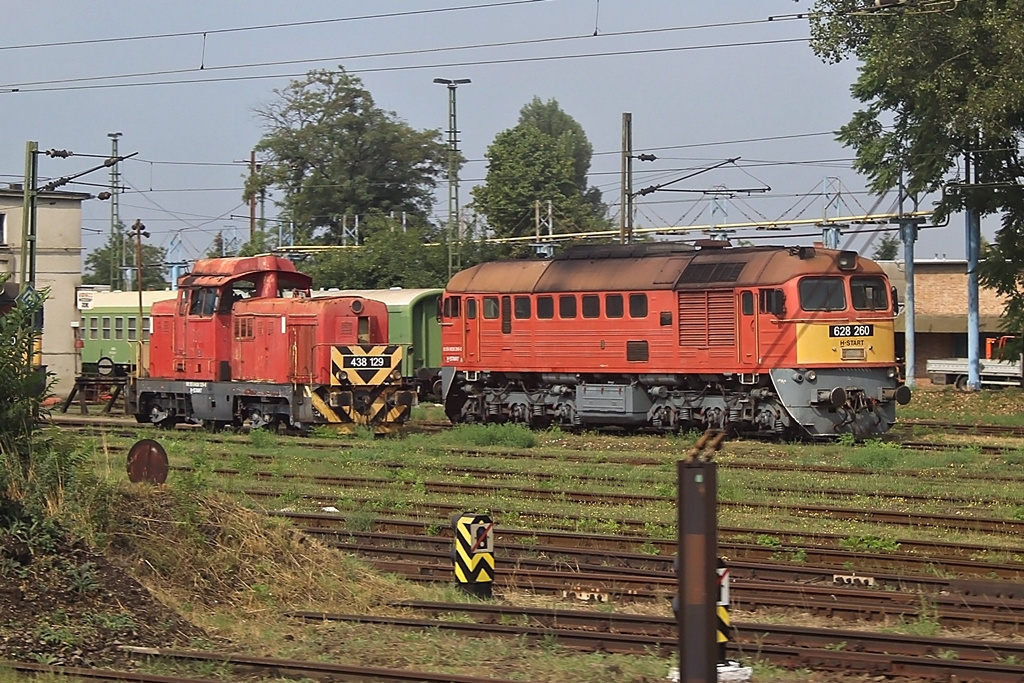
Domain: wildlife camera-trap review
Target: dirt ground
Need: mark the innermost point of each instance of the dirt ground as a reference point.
(69, 606)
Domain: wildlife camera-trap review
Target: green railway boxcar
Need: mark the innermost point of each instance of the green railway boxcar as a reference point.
(109, 329)
(412, 322)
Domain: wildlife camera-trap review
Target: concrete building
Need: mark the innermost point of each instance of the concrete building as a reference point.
(58, 268)
(940, 303)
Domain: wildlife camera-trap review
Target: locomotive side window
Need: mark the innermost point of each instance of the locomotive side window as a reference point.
(637, 305)
(451, 307)
(490, 308)
(591, 306)
(545, 307)
(868, 294)
(522, 307)
(146, 323)
(772, 301)
(119, 327)
(506, 315)
(747, 303)
(567, 306)
(822, 294)
(94, 327)
(106, 327)
(132, 329)
(613, 305)
(471, 309)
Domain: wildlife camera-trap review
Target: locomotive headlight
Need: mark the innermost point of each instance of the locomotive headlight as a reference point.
(811, 375)
(891, 373)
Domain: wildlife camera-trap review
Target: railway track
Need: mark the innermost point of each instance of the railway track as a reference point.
(889, 517)
(820, 648)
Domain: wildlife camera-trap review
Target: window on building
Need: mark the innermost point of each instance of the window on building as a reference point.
(545, 307)
(637, 305)
(567, 306)
(106, 327)
(133, 332)
(613, 305)
(522, 307)
(3, 228)
(94, 327)
(591, 306)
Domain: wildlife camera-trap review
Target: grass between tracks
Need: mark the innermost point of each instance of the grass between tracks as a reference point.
(231, 571)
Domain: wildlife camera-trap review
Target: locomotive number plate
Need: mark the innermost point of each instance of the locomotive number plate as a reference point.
(851, 330)
(366, 362)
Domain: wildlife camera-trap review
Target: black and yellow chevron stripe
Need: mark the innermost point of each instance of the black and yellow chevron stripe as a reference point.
(474, 550)
(364, 365)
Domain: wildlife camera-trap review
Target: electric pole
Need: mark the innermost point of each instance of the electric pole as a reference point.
(626, 219)
(454, 257)
(117, 263)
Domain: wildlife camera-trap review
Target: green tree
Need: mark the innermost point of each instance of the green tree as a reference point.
(544, 157)
(940, 82)
(887, 249)
(389, 257)
(333, 152)
(103, 265)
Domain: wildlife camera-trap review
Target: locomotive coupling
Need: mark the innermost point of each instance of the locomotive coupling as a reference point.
(835, 397)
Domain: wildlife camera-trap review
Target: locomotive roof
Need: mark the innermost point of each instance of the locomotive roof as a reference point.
(651, 266)
(214, 272)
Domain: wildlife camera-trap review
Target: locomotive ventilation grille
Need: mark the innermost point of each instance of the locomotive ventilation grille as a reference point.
(707, 319)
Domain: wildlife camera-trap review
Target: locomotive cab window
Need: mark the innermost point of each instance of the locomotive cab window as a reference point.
(613, 305)
(204, 301)
(869, 294)
(567, 306)
(822, 294)
(772, 301)
(522, 307)
(452, 306)
(490, 308)
(637, 305)
(591, 306)
(363, 336)
(545, 307)
(471, 309)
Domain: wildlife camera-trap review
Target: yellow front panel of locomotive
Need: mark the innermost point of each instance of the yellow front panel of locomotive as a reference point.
(845, 343)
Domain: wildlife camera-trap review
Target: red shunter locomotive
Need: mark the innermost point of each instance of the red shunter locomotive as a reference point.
(792, 341)
(245, 344)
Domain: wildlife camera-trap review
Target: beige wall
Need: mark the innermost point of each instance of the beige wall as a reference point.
(58, 267)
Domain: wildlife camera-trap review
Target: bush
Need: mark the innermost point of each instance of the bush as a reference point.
(508, 434)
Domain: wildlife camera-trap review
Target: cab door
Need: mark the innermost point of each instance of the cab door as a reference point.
(471, 330)
(747, 347)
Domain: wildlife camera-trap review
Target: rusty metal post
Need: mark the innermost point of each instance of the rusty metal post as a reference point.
(697, 562)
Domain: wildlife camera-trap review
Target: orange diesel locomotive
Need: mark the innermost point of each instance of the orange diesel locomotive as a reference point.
(791, 341)
(244, 344)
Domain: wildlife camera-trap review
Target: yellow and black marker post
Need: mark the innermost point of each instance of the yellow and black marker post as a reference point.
(473, 553)
(722, 611)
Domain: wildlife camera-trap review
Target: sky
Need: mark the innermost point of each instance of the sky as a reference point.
(704, 82)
